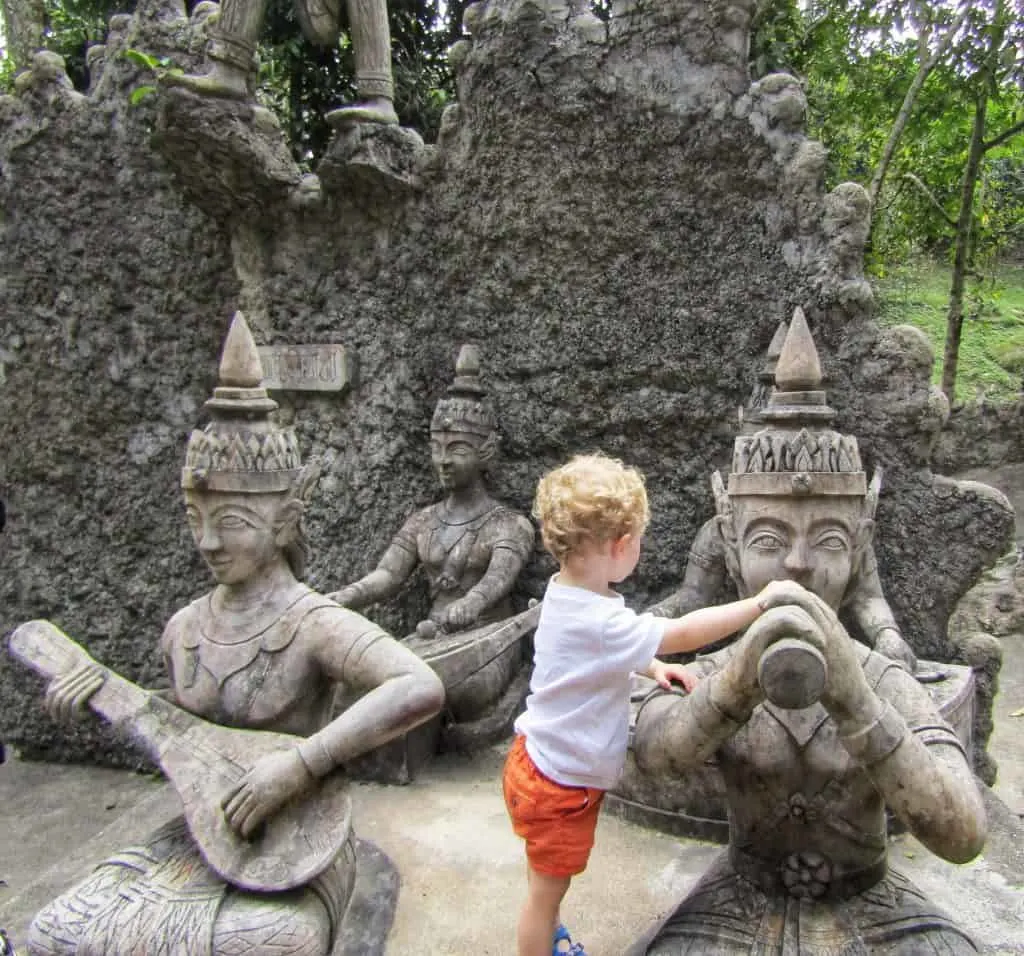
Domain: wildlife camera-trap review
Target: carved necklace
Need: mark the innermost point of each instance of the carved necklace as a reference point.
(233, 627)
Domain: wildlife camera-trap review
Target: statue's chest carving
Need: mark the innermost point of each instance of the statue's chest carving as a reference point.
(452, 552)
(790, 750)
(242, 681)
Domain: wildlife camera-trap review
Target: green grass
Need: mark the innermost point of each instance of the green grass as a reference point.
(992, 347)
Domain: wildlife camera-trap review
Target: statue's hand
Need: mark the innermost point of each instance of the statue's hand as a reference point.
(66, 697)
(346, 596)
(847, 692)
(890, 644)
(739, 685)
(270, 783)
(460, 614)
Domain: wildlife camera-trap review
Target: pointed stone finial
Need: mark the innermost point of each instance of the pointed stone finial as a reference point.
(468, 362)
(240, 361)
(467, 373)
(465, 406)
(798, 368)
(775, 348)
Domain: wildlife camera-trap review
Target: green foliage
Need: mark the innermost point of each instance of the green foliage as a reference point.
(6, 75)
(992, 350)
(301, 82)
(75, 25)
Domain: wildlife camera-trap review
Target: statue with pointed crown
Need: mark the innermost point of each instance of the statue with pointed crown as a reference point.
(814, 733)
(470, 546)
(864, 609)
(263, 859)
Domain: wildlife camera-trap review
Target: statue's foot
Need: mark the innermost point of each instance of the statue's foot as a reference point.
(378, 109)
(219, 83)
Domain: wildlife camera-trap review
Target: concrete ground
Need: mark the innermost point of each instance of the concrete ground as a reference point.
(462, 869)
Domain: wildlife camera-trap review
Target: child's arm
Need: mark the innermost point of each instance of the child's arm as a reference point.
(699, 628)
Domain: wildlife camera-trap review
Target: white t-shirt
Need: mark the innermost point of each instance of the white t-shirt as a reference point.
(586, 646)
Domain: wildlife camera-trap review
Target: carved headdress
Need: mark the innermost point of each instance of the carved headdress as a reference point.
(466, 407)
(241, 449)
(796, 452)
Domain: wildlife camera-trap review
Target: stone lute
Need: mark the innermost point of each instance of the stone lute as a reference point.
(202, 761)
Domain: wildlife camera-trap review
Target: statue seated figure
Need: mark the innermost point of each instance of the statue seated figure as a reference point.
(470, 546)
(814, 733)
(260, 652)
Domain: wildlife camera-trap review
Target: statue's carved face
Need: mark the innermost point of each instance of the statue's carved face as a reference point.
(237, 534)
(456, 458)
(816, 542)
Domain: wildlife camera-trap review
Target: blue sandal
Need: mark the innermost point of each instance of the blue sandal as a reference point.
(562, 936)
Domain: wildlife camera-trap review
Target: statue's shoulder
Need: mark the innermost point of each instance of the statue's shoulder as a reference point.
(506, 522)
(322, 617)
(422, 520)
(708, 547)
(184, 621)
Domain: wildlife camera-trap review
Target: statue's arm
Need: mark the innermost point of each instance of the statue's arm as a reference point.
(401, 690)
(392, 571)
(918, 764)
(676, 731)
(873, 617)
(704, 577)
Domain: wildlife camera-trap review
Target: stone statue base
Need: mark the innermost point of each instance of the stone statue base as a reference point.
(371, 909)
(694, 804)
(230, 157)
(497, 725)
(374, 165)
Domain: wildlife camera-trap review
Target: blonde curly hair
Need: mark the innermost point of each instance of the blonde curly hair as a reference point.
(591, 498)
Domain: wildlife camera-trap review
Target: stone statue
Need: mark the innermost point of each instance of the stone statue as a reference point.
(864, 607)
(232, 53)
(260, 653)
(815, 734)
(470, 546)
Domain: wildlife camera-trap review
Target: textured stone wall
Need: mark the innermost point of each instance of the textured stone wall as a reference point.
(619, 218)
(982, 435)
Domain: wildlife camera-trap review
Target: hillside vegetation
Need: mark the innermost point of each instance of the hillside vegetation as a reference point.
(992, 350)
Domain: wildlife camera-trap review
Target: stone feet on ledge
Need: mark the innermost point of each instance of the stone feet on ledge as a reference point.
(378, 109)
(220, 82)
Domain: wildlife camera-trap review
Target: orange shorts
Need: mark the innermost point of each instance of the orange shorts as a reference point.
(557, 822)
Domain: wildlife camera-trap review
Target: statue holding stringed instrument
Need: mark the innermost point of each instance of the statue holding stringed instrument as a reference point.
(470, 546)
(263, 859)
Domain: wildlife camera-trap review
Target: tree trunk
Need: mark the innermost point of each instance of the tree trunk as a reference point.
(23, 21)
(962, 249)
(987, 85)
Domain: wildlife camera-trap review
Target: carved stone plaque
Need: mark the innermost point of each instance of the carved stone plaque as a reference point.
(304, 368)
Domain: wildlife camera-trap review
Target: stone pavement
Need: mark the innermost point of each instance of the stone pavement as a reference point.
(462, 869)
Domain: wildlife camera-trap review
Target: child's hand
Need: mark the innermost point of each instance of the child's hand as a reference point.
(665, 673)
(777, 593)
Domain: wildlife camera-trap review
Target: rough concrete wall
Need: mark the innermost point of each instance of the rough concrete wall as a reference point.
(619, 219)
(982, 435)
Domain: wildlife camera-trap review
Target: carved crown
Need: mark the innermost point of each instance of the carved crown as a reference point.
(241, 449)
(796, 453)
(465, 408)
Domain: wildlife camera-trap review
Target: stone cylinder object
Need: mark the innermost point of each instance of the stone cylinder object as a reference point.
(792, 673)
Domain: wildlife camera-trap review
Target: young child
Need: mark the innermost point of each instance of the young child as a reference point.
(570, 744)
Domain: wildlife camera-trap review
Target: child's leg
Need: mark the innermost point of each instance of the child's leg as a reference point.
(539, 915)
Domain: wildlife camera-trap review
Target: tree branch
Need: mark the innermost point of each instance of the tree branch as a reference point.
(930, 196)
(1003, 137)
